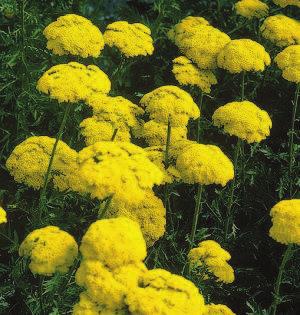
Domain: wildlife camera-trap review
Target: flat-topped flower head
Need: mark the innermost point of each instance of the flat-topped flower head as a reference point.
(281, 30)
(286, 222)
(131, 39)
(217, 309)
(205, 165)
(187, 73)
(75, 35)
(284, 3)
(211, 255)
(73, 82)
(170, 102)
(289, 62)
(252, 9)
(243, 55)
(50, 250)
(3, 217)
(244, 120)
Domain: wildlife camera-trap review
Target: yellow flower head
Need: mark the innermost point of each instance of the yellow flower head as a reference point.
(281, 30)
(170, 102)
(210, 254)
(286, 222)
(284, 3)
(205, 165)
(73, 82)
(252, 9)
(217, 309)
(244, 120)
(186, 73)
(161, 292)
(50, 250)
(179, 146)
(3, 218)
(131, 39)
(114, 242)
(243, 55)
(75, 35)
(118, 169)
(289, 62)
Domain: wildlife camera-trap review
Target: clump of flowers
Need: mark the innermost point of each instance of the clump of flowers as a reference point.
(281, 30)
(252, 9)
(284, 3)
(286, 221)
(244, 120)
(50, 250)
(131, 39)
(75, 35)
(3, 217)
(211, 255)
(243, 55)
(217, 309)
(186, 73)
(73, 82)
(288, 62)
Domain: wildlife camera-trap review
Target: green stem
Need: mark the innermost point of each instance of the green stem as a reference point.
(243, 85)
(198, 208)
(102, 213)
(199, 119)
(166, 161)
(114, 134)
(41, 281)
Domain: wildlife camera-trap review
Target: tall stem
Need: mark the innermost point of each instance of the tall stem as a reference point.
(243, 85)
(166, 161)
(198, 208)
(199, 119)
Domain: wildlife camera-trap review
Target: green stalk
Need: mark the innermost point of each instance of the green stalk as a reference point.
(198, 208)
(166, 161)
(199, 119)
(114, 134)
(243, 85)
(102, 213)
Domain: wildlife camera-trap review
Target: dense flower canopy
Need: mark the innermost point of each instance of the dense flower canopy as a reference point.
(217, 309)
(75, 35)
(286, 222)
(131, 39)
(252, 9)
(50, 250)
(3, 217)
(73, 82)
(284, 3)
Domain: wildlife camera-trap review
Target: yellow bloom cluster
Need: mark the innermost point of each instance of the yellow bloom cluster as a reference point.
(50, 250)
(281, 30)
(131, 39)
(286, 222)
(217, 309)
(211, 255)
(118, 169)
(75, 35)
(204, 164)
(186, 73)
(244, 120)
(243, 55)
(289, 62)
(73, 82)
(3, 218)
(252, 9)
(284, 3)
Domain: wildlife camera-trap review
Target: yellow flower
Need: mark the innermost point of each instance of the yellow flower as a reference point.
(217, 309)
(179, 146)
(211, 255)
(186, 73)
(3, 218)
(286, 222)
(284, 3)
(244, 120)
(281, 30)
(161, 292)
(75, 35)
(50, 250)
(131, 39)
(205, 165)
(252, 9)
(243, 55)
(289, 62)
(73, 82)
(170, 102)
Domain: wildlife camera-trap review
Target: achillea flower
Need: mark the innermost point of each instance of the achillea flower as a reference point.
(284, 3)
(131, 39)
(281, 30)
(205, 165)
(50, 250)
(217, 309)
(243, 55)
(286, 222)
(211, 255)
(179, 146)
(244, 120)
(75, 35)
(73, 82)
(170, 102)
(289, 62)
(252, 9)
(161, 292)
(3, 218)
(186, 73)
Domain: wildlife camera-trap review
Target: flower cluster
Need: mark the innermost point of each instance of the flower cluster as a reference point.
(50, 250)
(244, 120)
(286, 222)
(186, 73)
(217, 309)
(281, 30)
(252, 9)
(3, 217)
(75, 35)
(284, 3)
(211, 255)
(131, 39)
